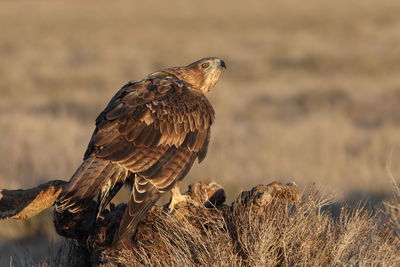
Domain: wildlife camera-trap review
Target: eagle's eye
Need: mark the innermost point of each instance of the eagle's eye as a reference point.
(205, 65)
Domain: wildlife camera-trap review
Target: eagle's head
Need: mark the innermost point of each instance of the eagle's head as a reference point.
(203, 74)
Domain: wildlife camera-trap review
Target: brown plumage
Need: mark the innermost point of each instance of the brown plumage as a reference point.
(149, 135)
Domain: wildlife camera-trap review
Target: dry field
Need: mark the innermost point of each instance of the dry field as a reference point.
(311, 94)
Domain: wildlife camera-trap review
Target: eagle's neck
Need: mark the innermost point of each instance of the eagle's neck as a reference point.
(198, 79)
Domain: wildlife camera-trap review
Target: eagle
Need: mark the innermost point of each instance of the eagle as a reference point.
(148, 137)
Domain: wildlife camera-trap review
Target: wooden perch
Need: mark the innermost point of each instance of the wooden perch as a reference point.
(24, 204)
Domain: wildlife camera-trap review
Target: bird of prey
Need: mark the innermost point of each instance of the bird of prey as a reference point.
(148, 136)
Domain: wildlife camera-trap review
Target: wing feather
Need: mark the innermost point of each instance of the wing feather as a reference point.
(117, 111)
(143, 135)
(106, 136)
(135, 132)
(128, 126)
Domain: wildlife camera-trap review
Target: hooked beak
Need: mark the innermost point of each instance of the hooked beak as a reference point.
(222, 64)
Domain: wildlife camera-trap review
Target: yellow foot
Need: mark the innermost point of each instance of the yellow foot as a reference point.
(181, 198)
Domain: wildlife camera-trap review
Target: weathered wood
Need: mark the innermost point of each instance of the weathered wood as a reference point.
(24, 204)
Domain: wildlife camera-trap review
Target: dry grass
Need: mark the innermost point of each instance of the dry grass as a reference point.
(311, 93)
(279, 234)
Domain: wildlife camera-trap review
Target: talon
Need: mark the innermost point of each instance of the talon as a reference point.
(178, 198)
(174, 201)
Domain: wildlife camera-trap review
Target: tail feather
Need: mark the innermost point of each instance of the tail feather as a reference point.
(111, 188)
(95, 176)
(144, 196)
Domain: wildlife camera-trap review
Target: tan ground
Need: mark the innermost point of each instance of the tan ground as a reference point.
(311, 94)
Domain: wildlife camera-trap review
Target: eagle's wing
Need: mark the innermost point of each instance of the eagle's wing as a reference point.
(154, 128)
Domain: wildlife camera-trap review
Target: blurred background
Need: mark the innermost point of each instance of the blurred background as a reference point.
(311, 93)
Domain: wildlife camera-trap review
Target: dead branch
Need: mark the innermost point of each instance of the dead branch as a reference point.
(24, 204)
